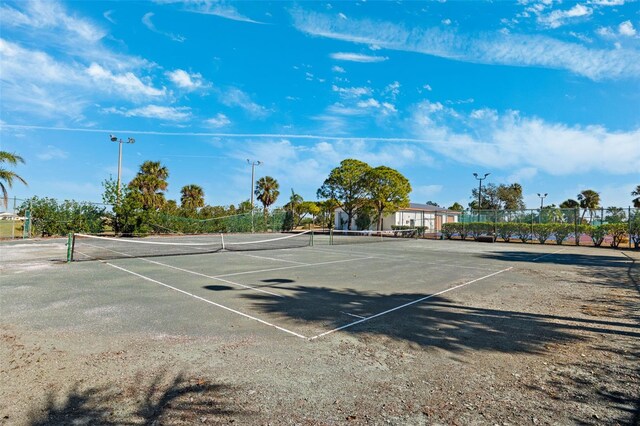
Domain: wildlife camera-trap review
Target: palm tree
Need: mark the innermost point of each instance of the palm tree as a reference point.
(7, 175)
(192, 197)
(636, 201)
(589, 200)
(149, 183)
(267, 192)
(294, 201)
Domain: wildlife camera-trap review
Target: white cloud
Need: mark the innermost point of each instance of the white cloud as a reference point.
(392, 89)
(523, 174)
(342, 16)
(352, 92)
(107, 16)
(338, 69)
(51, 153)
(369, 103)
(427, 87)
(211, 7)
(185, 80)
(558, 18)
(154, 111)
(446, 21)
(50, 15)
(235, 97)
(146, 20)
(522, 142)
(626, 29)
(607, 2)
(126, 83)
(483, 48)
(357, 57)
(218, 121)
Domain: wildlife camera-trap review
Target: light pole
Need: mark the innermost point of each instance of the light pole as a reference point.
(542, 197)
(120, 142)
(480, 179)
(253, 168)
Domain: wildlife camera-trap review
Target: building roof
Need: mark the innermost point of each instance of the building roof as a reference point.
(428, 208)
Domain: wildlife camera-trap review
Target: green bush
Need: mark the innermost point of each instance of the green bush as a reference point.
(506, 230)
(597, 234)
(542, 231)
(523, 231)
(617, 231)
(562, 231)
(634, 230)
(50, 218)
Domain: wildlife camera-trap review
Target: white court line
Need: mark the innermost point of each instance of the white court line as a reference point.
(185, 270)
(408, 304)
(271, 258)
(205, 300)
(351, 315)
(404, 259)
(548, 254)
(292, 267)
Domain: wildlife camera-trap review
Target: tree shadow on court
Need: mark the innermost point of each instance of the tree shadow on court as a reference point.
(611, 271)
(162, 400)
(437, 322)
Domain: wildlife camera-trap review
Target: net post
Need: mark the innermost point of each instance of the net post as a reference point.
(71, 243)
(222, 239)
(311, 242)
(331, 237)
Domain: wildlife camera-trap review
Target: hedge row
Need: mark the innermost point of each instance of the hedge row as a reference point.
(543, 232)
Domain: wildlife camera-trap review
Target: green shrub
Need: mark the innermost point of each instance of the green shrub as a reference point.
(562, 231)
(617, 231)
(523, 231)
(597, 234)
(634, 229)
(506, 230)
(542, 231)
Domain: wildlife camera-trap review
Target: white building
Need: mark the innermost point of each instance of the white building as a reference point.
(416, 215)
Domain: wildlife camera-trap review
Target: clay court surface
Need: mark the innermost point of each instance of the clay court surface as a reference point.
(399, 332)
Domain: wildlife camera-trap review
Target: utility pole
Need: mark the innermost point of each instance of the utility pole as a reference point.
(480, 179)
(253, 168)
(120, 142)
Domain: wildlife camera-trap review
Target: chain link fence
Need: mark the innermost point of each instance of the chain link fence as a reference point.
(613, 226)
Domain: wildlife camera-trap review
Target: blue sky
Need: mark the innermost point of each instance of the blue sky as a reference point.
(545, 93)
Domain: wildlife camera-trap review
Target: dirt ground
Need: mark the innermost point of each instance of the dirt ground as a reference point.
(555, 341)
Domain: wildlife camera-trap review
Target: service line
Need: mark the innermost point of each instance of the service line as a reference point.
(422, 299)
(205, 300)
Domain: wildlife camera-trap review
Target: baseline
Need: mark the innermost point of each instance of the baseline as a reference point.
(422, 299)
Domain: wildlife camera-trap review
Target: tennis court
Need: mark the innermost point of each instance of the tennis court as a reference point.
(299, 290)
(384, 325)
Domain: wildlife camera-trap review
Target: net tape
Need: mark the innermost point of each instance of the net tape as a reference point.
(93, 247)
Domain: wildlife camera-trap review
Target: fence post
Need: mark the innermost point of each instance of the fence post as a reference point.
(531, 235)
(629, 226)
(575, 223)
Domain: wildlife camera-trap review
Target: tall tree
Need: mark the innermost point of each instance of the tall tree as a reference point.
(456, 207)
(388, 191)
(488, 199)
(636, 201)
(295, 200)
(267, 192)
(589, 200)
(347, 184)
(7, 176)
(149, 184)
(569, 204)
(192, 197)
(510, 196)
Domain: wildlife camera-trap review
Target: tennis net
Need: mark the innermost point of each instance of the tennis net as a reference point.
(93, 247)
(339, 237)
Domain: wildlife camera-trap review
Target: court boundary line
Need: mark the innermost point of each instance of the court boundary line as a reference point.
(422, 299)
(404, 259)
(291, 267)
(548, 254)
(206, 300)
(183, 270)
